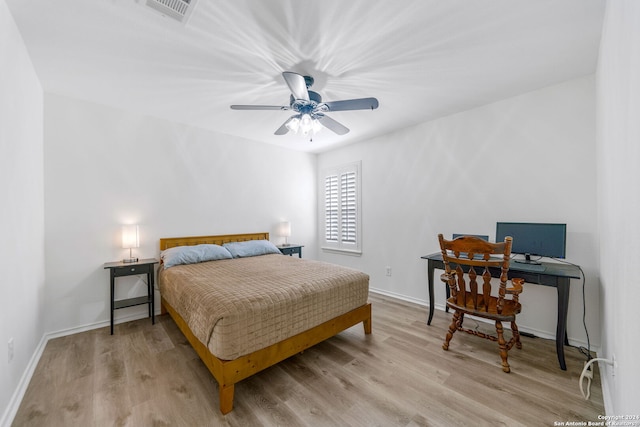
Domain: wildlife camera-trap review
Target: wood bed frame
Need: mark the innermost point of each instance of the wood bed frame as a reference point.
(229, 372)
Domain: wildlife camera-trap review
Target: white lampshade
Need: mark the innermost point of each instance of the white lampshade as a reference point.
(284, 230)
(130, 239)
(293, 124)
(130, 236)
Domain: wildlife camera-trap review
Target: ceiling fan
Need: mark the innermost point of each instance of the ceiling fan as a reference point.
(310, 110)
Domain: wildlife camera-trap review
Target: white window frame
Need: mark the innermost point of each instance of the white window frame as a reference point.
(346, 236)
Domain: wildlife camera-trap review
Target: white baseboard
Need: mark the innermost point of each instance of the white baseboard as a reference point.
(403, 298)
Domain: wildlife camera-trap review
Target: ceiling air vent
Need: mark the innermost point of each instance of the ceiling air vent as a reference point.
(180, 10)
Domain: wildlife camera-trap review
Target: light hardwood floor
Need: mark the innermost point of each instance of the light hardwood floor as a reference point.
(148, 375)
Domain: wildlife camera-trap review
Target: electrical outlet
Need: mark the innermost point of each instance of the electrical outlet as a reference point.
(389, 271)
(10, 349)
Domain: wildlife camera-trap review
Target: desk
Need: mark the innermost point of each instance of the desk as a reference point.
(557, 275)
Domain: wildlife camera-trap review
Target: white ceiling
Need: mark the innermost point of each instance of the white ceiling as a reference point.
(422, 59)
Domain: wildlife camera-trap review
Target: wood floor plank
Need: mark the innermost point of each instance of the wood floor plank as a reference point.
(146, 375)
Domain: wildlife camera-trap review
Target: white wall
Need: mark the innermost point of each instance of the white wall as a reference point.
(105, 167)
(21, 211)
(529, 158)
(619, 194)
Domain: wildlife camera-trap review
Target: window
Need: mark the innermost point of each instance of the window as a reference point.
(340, 219)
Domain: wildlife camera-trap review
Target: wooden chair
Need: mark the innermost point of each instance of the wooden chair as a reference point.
(465, 258)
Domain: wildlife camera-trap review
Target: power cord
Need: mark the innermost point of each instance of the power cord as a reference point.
(587, 373)
(585, 351)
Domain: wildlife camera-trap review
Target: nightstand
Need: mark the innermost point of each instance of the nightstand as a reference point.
(291, 249)
(122, 269)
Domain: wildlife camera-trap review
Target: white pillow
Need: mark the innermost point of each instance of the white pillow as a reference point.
(193, 254)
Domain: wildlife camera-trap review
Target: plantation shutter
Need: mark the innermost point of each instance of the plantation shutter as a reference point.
(348, 207)
(331, 208)
(340, 208)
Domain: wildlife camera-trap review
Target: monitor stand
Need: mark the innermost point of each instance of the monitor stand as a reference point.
(527, 260)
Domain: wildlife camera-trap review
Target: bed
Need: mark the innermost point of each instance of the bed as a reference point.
(245, 313)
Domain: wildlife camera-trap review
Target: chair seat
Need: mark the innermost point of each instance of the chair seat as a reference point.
(509, 309)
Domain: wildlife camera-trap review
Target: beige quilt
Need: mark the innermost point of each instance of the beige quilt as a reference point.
(237, 306)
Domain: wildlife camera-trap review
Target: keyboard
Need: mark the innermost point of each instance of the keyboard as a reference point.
(464, 255)
(533, 268)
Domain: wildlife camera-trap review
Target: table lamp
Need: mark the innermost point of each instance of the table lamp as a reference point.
(130, 239)
(285, 231)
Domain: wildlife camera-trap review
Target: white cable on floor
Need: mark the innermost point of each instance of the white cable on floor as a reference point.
(588, 373)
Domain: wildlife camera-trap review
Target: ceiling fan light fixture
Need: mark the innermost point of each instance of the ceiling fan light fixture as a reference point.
(316, 126)
(304, 124)
(294, 124)
(309, 124)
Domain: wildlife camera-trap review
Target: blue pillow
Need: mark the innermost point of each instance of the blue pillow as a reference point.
(251, 248)
(193, 254)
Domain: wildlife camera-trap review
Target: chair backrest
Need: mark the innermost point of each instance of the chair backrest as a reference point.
(473, 256)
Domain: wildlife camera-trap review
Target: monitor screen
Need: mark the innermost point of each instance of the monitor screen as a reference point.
(547, 240)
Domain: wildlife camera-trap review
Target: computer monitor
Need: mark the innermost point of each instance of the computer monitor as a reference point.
(529, 238)
(480, 236)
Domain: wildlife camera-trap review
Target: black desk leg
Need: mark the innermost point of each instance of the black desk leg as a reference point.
(152, 295)
(113, 284)
(430, 270)
(561, 329)
(149, 294)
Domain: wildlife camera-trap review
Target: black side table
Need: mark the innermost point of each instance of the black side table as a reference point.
(291, 249)
(121, 269)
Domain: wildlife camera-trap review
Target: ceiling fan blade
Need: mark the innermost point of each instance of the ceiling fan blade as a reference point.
(259, 107)
(332, 125)
(353, 104)
(283, 130)
(297, 85)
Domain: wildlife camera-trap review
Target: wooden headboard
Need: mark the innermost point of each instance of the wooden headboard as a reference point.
(170, 242)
